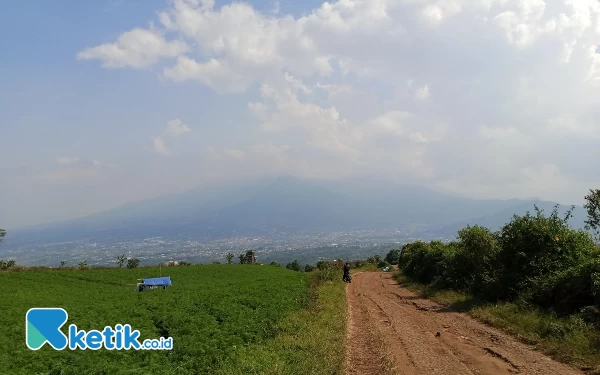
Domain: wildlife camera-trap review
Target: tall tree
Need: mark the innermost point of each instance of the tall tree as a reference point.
(2, 234)
(121, 260)
(592, 205)
(229, 257)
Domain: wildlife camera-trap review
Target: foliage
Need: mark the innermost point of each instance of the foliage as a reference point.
(217, 318)
(592, 206)
(323, 265)
(82, 264)
(374, 259)
(535, 246)
(229, 258)
(63, 264)
(216, 262)
(294, 266)
(121, 260)
(2, 234)
(274, 263)
(392, 257)
(184, 263)
(382, 264)
(308, 268)
(133, 263)
(6, 264)
(242, 258)
(533, 257)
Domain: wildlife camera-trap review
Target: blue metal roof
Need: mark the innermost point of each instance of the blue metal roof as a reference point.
(158, 281)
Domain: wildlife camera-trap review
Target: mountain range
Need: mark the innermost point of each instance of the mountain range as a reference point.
(288, 205)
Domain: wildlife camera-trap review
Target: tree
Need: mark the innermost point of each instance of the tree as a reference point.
(229, 258)
(308, 268)
(63, 263)
(242, 258)
(2, 234)
(6, 264)
(294, 266)
(275, 264)
(392, 257)
(592, 206)
(121, 260)
(82, 264)
(133, 263)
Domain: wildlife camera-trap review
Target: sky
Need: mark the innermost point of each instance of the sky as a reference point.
(110, 101)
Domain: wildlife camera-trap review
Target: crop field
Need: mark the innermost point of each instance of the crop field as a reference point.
(216, 314)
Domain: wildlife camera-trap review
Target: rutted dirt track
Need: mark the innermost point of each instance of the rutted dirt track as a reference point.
(386, 320)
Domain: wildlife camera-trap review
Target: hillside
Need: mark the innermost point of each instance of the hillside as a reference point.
(285, 205)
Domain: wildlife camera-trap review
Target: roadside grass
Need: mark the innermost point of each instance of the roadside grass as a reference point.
(367, 267)
(566, 339)
(309, 341)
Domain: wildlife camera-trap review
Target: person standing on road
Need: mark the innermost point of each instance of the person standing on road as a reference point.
(346, 276)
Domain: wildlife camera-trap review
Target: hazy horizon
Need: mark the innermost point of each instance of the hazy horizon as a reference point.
(110, 102)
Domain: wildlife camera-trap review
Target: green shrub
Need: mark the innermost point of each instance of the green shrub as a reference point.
(535, 246)
(392, 257)
(294, 266)
(133, 263)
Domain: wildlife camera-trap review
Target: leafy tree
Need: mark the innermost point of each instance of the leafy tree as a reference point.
(392, 257)
(6, 264)
(592, 206)
(82, 264)
(323, 265)
(294, 266)
(2, 234)
(133, 263)
(63, 263)
(121, 260)
(308, 268)
(229, 258)
(242, 258)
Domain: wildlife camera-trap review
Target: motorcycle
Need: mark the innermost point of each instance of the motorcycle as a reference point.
(347, 278)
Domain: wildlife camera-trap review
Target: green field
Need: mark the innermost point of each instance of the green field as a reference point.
(223, 319)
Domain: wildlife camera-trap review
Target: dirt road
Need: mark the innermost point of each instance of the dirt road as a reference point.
(389, 322)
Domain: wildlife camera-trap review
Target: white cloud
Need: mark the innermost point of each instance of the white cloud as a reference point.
(137, 48)
(422, 93)
(347, 83)
(159, 145)
(234, 153)
(174, 129)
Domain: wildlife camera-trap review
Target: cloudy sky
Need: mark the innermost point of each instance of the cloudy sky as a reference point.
(106, 102)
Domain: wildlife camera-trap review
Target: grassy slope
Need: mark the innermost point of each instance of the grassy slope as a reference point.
(568, 340)
(220, 316)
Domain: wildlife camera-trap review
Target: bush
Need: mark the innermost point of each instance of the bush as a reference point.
(323, 265)
(6, 264)
(382, 264)
(327, 274)
(392, 257)
(274, 263)
(308, 268)
(535, 246)
(294, 266)
(133, 263)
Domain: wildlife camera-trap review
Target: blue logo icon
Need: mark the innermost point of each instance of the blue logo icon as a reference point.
(42, 325)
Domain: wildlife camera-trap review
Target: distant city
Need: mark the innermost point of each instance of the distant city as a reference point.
(281, 248)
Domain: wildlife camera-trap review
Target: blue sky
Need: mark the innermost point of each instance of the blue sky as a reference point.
(106, 102)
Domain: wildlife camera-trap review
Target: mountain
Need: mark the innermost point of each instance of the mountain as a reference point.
(285, 205)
